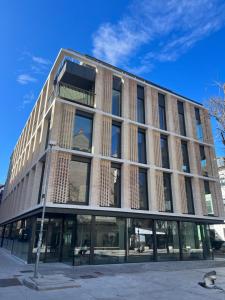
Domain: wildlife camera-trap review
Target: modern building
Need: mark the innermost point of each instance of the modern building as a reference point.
(127, 167)
(1, 191)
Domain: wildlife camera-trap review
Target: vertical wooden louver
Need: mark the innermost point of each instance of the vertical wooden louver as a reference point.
(198, 159)
(173, 103)
(105, 183)
(207, 132)
(134, 187)
(107, 91)
(155, 108)
(183, 196)
(209, 167)
(132, 99)
(133, 143)
(66, 132)
(159, 190)
(179, 157)
(192, 126)
(106, 135)
(61, 177)
(157, 149)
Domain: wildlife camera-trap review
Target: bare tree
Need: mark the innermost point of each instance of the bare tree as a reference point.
(216, 106)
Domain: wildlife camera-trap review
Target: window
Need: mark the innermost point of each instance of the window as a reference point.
(199, 131)
(189, 195)
(184, 150)
(164, 151)
(116, 140)
(203, 160)
(162, 111)
(79, 177)
(116, 96)
(208, 198)
(143, 190)
(140, 104)
(167, 192)
(82, 132)
(115, 185)
(141, 147)
(180, 107)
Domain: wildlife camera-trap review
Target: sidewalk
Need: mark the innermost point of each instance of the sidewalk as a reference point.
(164, 280)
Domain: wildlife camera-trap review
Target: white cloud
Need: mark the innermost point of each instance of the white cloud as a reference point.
(40, 60)
(159, 30)
(25, 79)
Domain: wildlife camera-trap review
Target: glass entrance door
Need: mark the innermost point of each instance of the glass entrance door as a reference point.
(53, 241)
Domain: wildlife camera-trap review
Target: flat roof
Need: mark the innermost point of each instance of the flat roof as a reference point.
(134, 76)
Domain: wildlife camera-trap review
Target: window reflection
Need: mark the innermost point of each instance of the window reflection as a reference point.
(199, 130)
(184, 150)
(116, 96)
(115, 185)
(141, 147)
(140, 240)
(82, 132)
(180, 107)
(162, 111)
(164, 151)
(208, 198)
(167, 240)
(167, 192)
(143, 189)
(116, 140)
(140, 104)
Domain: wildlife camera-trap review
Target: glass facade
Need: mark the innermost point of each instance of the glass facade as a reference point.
(116, 140)
(79, 178)
(181, 117)
(167, 192)
(82, 132)
(140, 104)
(164, 151)
(141, 147)
(199, 130)
(208, 198)
(143, 189)
(167, 238)
(189, 195)
(162, 111)
(116, 96)
(85, 239)
(184, 150)
(115, 185)
(203, 160)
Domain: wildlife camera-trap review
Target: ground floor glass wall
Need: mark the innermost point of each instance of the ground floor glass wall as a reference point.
(86, 239)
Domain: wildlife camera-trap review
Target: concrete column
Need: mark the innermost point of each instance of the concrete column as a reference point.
(96, 136)
(150, 147)
(125, 186)
(152, 191)
(148, 106)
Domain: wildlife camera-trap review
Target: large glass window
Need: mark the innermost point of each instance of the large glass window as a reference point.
(190, 235)
(82, 132)
(184, 150)
(199, 130)
(140, 104)
(164, 151)
(203, 160)
(109, 246)
(208, 198)
(140, 240)
(143, 189)
(180, 107)
(82, 240)
(162, 111)
(116, 96)
(189, 195)
(167, 238)
(115, 185)
(167, 192)
(79, 177)
(116, 140)
(53, 240)
(141, 147)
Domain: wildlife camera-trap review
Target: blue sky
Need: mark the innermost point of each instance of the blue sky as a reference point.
(179, 44)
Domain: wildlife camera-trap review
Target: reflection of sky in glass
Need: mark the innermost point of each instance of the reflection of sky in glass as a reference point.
(116, 103)
(115, 147)
(141, 148)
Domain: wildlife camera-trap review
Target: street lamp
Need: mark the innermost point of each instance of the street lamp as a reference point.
(51, 144)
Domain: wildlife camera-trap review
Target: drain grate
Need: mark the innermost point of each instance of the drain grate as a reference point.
(9, 282)
(26, 271)
(87, 276)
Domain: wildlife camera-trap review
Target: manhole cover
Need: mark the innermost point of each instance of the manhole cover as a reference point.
(9, 282)
(87, 276)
